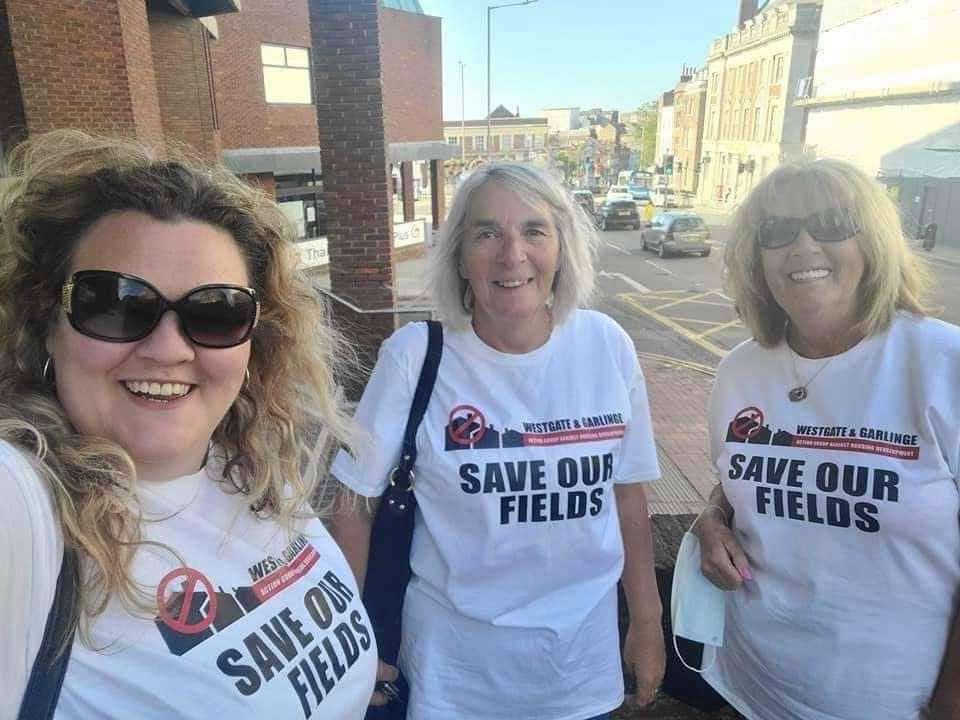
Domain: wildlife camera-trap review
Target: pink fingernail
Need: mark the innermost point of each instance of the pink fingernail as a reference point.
(746, 574)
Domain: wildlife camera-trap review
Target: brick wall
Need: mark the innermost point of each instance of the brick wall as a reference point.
(12, 118)
(184, 81)
(246, 119)
(141, 80)
(72, 60)
(412, 76)
(349, 99)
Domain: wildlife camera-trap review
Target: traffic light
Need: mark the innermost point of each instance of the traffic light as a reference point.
(668, 164)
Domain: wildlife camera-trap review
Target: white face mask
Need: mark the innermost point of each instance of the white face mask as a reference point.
(697, 606)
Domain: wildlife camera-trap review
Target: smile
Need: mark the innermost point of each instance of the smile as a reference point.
(509, 284)
(157, 391)
(809, 275)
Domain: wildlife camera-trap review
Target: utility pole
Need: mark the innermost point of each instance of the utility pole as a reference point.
(490, 9)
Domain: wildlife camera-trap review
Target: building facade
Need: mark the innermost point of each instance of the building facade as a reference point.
(511, 137)
(751, 122)
(904, 87)
(664, 147)
(689, 108)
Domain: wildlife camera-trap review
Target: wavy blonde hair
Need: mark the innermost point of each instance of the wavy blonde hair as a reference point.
(894, 278)
(63, 182)
(573, 285)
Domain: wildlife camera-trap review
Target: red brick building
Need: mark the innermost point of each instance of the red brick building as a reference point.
(265, 92)
(138, 67)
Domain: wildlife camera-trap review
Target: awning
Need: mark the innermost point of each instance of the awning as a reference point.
(276, 160)
(294, 160)
(429, 150)
(205, 8)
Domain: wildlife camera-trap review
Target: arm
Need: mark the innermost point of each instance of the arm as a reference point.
(722, 560)
(30, 555)
(350, 526)
(643, 650)
(945, 704)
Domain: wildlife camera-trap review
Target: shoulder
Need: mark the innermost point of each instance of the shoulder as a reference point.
(583, 324)
(19, 473)
(928, 333)
(28, 511)
(747, 356)
(592, 332)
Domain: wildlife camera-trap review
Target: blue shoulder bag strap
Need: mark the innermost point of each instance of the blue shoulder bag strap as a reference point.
(46, 678)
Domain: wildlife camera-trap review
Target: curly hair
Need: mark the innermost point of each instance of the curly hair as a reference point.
(61, 184)
(893, 278)
(575, 278)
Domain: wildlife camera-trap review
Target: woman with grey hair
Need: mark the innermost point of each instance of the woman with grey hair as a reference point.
(836, 433)
(532, 458)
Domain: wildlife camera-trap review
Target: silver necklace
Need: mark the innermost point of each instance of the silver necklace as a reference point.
(799, 393)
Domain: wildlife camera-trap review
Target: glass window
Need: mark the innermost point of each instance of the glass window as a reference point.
(506, 142)
(687, 224)
(286, 74)
(480, 142)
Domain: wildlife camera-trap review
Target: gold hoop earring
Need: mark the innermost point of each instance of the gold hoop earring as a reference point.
(48, 377)
(246, 379)
(468, 299)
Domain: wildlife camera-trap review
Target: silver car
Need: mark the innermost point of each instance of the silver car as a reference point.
(675, 233)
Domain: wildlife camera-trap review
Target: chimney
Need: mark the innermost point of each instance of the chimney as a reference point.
(748, 8)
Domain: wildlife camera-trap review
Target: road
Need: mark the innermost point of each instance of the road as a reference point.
(676, 305)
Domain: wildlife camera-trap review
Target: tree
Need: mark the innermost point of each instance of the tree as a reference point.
(643, 135)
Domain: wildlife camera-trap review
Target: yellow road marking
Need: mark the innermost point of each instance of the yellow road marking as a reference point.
(676, 327)
(724, 326)
(692, 298)
(695, 320)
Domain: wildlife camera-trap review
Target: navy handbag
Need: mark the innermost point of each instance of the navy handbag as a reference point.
(388, 565)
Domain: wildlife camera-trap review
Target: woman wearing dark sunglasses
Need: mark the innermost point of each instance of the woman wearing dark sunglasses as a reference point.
(836, 435)
(165, 369)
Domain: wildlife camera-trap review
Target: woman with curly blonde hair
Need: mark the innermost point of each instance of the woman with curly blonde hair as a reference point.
(164, 371)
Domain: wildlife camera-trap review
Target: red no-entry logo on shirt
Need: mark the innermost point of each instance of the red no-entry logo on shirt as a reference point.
(179, 617)
(747, 423)
(470, 430)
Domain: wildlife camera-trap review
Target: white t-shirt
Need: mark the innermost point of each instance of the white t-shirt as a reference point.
(847, 506)
(261, 623)
(511, 612)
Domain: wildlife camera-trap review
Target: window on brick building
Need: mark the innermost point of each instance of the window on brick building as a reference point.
(506, 143)
(453, 141)
(286, 74)
(480, 143)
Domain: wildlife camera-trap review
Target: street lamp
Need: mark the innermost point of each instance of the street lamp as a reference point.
(490, 9)
(463, 136)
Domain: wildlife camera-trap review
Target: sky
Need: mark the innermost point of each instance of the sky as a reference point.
(613, 54)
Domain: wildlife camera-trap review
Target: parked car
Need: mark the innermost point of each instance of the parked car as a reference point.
(640, 194)
(583, 198)
(619, 192)
(663, 197)
(618, 213)
(676, 233)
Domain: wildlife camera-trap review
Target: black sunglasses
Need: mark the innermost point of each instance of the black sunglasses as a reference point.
(116, 307)
(827, 226)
